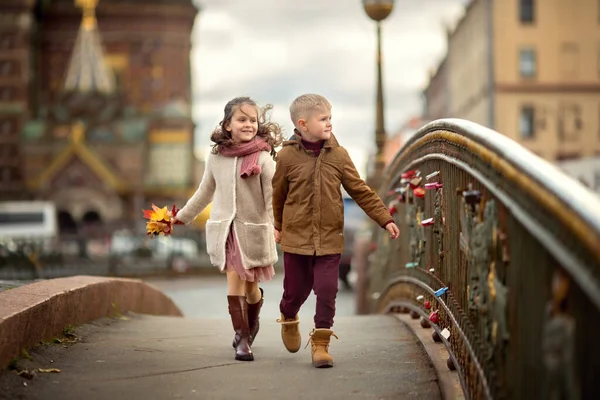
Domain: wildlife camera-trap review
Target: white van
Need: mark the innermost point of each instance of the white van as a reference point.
(27, 220)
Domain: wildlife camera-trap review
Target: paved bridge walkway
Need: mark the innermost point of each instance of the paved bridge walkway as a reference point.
(147, 357)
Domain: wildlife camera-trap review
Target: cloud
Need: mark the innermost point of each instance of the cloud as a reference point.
(274, 50)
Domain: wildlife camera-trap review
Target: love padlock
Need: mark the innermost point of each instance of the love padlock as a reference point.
(434, 317)
(415, 182)
(472, 197)
(433, 185)
(396, 191)
(427, 222)
(427, 304)
(432, 175)
(410, 174)
(419, 192)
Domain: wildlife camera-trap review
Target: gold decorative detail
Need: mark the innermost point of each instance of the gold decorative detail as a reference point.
(88, 20)
(77, 133)
(77, 148)
(490, 281)
(170, 136)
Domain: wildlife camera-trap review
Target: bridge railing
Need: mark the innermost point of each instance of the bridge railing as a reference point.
(499, 253)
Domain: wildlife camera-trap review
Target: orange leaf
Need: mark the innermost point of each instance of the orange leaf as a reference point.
(148, 214)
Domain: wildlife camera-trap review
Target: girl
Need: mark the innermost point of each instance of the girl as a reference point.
(239, 233)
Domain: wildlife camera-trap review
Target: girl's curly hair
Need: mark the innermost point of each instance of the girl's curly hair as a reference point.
(268, 131)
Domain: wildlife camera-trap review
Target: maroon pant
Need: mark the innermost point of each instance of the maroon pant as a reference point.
(305, 273)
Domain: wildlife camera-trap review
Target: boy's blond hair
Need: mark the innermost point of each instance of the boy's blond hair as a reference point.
(305, 104)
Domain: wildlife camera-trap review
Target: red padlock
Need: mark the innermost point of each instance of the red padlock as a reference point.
(427, 305)
(415, 182)
(434, 317)
(419, 192)
(409, 174)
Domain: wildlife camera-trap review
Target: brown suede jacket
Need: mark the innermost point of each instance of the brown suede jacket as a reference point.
(307, 197)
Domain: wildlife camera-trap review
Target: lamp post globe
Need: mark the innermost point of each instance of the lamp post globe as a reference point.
(378, 10)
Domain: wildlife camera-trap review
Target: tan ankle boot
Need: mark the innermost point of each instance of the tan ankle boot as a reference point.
(319, 340)
(290, 333)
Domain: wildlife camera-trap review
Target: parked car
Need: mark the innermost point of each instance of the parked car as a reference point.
(354, 217)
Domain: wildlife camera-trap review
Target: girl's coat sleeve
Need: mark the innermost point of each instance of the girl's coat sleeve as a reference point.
(266, 180)
(202, 198)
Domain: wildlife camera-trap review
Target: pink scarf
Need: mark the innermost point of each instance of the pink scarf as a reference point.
(250, 151)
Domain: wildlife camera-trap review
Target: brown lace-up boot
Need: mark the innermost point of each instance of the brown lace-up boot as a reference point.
(238, 309)
(290, 334)
(319, 340)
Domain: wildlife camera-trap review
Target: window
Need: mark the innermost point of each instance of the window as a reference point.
(527, 11)
(569, 60)
(569, 122)
(5, 176)
(6, 94)
(7, 41)
(6, 68)
(5, 127)
(527, 63)
(7, 151)
(527, 122)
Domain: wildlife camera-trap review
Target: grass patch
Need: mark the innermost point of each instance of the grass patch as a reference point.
(25, 354)
(69, 330)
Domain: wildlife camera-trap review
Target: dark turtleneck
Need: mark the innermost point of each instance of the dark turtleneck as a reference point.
(315, 147)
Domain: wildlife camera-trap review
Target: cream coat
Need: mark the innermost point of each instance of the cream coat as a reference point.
(245, 203)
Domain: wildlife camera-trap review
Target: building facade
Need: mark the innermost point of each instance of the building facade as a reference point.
(99, 118)
(529, 69)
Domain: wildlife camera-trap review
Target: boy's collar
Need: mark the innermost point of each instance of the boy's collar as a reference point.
(296, 139)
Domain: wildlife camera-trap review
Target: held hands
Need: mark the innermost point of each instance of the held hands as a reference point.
(393, 230)
(277, 236)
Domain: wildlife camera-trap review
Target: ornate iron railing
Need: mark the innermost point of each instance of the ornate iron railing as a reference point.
(502, 250)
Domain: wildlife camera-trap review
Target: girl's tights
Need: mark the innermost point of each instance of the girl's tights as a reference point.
(239, 287)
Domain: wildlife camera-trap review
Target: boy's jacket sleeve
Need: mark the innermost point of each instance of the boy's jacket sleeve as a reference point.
(367, 199)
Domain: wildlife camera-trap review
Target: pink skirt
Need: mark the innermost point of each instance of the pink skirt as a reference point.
(233, 260)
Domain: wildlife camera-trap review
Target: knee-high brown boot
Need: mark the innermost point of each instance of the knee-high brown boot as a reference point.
(254, 316)
(253, 320)
(238, 309)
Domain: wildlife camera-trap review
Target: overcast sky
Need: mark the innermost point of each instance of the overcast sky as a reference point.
(275, 50)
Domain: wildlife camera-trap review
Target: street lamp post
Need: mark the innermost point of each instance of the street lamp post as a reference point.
(378, 10)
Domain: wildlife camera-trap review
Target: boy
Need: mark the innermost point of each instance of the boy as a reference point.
(309, 220)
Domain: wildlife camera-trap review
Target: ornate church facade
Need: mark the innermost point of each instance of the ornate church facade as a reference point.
(95, 106)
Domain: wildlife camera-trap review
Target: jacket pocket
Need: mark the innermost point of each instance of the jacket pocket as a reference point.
(339, 216)
(214, 236)
(256, 242)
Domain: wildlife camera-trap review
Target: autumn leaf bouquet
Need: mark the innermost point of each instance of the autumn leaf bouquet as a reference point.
(160, 220)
